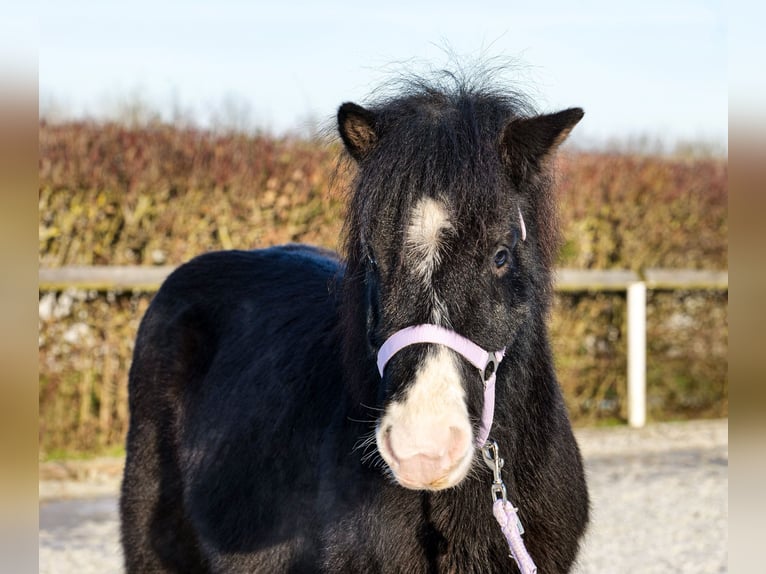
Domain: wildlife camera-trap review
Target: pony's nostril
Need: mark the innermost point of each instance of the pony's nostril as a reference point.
(458, 443)
(388, 449)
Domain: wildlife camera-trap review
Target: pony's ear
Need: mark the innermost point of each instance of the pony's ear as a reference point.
(528, 143)
(357, 129)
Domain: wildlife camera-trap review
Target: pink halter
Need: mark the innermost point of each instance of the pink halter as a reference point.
(486, 362)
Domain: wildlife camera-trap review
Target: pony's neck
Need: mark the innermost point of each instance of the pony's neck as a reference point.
(526, 386)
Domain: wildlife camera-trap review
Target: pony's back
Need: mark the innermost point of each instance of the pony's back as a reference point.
(222, 391)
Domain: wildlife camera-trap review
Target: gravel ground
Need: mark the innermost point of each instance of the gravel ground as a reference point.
(659, 500)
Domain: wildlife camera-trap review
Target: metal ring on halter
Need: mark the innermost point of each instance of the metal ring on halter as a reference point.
(491, 367)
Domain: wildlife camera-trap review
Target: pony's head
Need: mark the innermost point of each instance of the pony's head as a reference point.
(451, 224)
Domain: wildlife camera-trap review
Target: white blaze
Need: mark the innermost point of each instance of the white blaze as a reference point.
(429, 222)
(424, 246)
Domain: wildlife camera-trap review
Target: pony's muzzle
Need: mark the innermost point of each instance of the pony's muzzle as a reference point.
(431, 462)
(426, 436)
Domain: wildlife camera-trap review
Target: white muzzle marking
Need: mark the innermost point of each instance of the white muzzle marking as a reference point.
(425, 439)
(423, 436)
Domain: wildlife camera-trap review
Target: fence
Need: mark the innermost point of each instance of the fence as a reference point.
(148, 279)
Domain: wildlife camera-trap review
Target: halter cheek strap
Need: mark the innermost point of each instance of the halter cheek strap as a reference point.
(486, 362)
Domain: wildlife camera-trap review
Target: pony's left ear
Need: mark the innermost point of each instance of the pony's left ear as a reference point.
(528, 143)
(358, 130)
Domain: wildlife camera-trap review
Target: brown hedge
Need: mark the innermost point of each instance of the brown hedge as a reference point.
(116, 195)
(637, 212)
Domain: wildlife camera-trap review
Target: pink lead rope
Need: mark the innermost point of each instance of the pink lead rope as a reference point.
(505, 513)
(507, 518)
(486, 362)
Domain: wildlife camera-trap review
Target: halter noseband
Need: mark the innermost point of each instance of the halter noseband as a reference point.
(486, 362)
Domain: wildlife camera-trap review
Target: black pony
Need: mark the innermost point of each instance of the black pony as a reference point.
(263, 436)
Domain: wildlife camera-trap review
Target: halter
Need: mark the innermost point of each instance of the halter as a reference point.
(486, 362)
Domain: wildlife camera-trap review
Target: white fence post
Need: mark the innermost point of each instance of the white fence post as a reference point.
(637, 354)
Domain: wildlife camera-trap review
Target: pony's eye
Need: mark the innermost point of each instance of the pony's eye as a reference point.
(502, 256)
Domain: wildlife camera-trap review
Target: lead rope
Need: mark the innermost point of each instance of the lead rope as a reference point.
(505, 513)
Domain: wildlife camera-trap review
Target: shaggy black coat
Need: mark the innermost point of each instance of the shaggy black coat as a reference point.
(254, 383)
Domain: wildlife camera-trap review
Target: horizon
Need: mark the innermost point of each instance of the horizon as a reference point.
(141, 118)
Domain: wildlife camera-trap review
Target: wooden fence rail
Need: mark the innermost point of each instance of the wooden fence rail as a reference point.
(149, 279)
(144, 278)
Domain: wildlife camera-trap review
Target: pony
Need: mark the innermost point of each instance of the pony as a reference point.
(292, 410)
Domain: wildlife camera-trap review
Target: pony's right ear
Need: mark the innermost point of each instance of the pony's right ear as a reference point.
(357, 129)
(529, 143)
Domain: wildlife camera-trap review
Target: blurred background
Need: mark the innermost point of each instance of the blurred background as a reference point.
(171, 129)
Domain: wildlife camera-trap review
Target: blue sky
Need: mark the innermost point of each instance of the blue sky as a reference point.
(655, 69)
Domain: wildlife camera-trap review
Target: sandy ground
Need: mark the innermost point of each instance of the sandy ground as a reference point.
(659, 504)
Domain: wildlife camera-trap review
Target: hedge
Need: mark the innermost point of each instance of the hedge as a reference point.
(110, 194)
